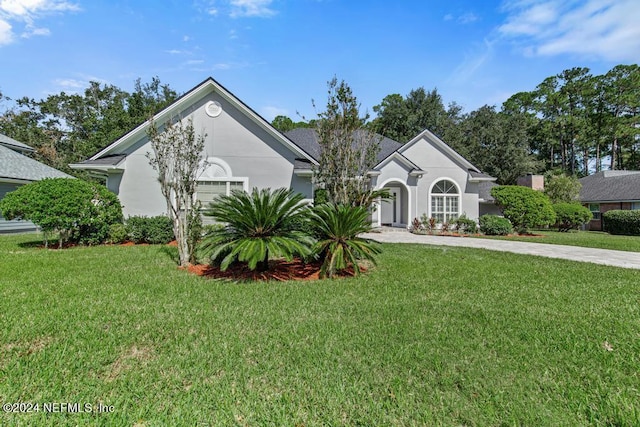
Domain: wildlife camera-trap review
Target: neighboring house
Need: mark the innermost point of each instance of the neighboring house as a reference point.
(487, 202)
(17, 169)
(243, 150)
(609, 190)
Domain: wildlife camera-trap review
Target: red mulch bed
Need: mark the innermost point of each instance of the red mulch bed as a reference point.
(279, 270)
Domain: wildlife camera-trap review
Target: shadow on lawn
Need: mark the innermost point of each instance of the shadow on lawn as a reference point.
(38, 244)
(171, 252)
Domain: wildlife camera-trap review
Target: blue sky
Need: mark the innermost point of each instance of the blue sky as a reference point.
(277, 55)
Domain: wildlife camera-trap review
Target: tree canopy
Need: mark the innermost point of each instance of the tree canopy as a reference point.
(574, 121)
(66, 128)
(349, 150)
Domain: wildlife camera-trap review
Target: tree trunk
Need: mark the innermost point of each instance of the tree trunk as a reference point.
(264, 264)
(180, 231)
(614, 152)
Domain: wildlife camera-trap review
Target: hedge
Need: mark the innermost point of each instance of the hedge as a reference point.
(152, 230)
(494, 225)
(570, 216)
(622, 222)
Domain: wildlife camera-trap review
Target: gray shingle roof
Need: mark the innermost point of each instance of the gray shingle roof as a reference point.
(110, 160)
(480, 175)
(610, 186)
(14, 165)
(307, 139)
(13, 144)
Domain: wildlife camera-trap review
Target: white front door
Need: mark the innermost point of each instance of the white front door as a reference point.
(391, 214)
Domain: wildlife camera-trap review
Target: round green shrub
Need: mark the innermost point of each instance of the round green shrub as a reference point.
(524, 207)
(462, 224)
(622, 222)
(494, 225)
(570, 216)
(78, 210)
(118, 233)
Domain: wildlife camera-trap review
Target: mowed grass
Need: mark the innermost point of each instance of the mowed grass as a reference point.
(432, 336)
(588, 239)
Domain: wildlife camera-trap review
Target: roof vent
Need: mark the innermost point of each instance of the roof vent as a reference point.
(213, 108)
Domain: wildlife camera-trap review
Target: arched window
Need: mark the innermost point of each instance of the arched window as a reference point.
(445, 201)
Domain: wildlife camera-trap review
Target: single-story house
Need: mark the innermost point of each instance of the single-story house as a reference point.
(17, 169)
(243, 150)
(609, 190)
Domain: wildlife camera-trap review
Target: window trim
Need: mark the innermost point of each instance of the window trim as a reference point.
(227, 180)
(446, 215)
(595, 212)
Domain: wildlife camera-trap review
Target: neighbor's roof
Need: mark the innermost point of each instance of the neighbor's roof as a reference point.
(611, 186)
(484, 191)
(13, 144)
(307, 139)
(14, 165)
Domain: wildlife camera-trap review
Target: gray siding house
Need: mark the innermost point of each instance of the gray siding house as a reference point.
(17, 169)
(243, 150)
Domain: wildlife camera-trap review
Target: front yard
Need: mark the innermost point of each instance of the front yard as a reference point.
(432, 336)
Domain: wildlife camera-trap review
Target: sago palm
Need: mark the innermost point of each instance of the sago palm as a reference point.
(258, 226)
(338, 245)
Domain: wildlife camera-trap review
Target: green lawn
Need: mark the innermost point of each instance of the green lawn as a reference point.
(433, 336)
(588, 239)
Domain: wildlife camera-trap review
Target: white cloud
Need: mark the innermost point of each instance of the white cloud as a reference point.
(26, 13)
(71, 84)
(467, 18)
(35, 32)
(270, 112)
(596, 29)
(74, 85)
(472, 62)
(251, 8)
(6, 35)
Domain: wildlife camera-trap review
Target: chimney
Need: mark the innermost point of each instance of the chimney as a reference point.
(532, 181)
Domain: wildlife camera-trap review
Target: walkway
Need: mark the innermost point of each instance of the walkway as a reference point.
(574, 253)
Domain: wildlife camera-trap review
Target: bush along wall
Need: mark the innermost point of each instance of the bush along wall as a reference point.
(493, 225)
(153, 230)
(622, 222)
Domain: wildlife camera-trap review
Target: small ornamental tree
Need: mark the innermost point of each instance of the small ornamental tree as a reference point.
(524, 207)
(570, 216)
(349, 150)
(178, 157)
(561, 188)
(78, 210)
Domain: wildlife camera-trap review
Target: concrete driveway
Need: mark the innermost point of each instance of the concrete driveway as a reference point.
(574, 253)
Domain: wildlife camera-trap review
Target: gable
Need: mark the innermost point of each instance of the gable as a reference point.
(194, 104)
(428, 151)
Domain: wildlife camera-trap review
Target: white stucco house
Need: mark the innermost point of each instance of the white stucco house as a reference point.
(243, 150)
